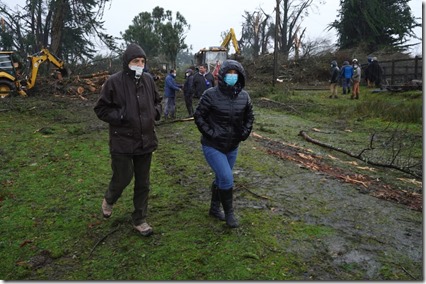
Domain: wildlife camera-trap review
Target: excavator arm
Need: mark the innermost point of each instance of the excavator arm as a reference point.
(37, 59)
(231, 37)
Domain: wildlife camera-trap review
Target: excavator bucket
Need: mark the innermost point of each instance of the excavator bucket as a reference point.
(65, 72)
(62, 73)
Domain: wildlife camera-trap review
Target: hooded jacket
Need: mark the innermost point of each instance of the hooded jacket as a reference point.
(224, 115)
(130, 106)
(202, 82)
(334, 72)
(347, 70)
(189, 79)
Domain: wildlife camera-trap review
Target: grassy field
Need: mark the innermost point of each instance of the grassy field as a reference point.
(55, 169)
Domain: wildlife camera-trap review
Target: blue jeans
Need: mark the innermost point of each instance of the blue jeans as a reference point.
(346, 85)
(222, 165)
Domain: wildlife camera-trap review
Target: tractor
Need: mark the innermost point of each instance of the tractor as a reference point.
(215, 55)
(12, 78)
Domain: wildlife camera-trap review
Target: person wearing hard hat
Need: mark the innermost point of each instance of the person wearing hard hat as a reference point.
(356, 78)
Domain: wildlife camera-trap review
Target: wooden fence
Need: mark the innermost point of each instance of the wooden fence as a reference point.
(401, 71)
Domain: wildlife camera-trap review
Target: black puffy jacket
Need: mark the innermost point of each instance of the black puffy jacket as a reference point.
(224, 115)
(130, 107)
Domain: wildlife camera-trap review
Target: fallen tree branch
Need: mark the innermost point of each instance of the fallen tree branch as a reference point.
(253, 193)
(360, 157)
(280, 105)
(409, 274)
(168, 121)
(308, 160)
(102, 239)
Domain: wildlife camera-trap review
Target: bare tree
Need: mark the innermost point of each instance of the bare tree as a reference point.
(291, 33)
(66, 26)
(316, 47)
(256, 33)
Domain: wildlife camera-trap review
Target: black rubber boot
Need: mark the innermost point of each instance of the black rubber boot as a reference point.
(215, 204)
(226, 199)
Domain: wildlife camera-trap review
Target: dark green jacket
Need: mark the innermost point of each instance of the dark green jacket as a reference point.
(130, 107)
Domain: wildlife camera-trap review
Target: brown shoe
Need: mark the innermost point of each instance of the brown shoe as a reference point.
(144, 229)
(106, 209)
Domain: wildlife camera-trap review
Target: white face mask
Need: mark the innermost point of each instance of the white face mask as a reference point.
(138, 70)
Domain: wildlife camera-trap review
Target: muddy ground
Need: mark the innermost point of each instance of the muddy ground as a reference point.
(375, 229)
(370, 229)
(375, 224)
(378, 222)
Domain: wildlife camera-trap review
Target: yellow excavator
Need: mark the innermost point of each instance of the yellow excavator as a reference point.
(12, 78)
(232, 37)
(215, 55)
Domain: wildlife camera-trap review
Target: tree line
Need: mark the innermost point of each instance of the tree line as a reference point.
(70, 28)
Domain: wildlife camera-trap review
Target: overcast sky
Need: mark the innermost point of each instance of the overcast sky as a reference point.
(208, 19)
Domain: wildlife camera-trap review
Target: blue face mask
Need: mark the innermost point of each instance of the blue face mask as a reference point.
(231, 79)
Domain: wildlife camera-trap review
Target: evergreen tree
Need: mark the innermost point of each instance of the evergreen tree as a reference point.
(143, 31)
(374, 24)
(66, 27)
(158, 33)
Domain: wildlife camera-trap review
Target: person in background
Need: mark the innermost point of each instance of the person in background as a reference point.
(170, 89)
(334, 78)
(224, 116)
(356, 79)
(375, 72)
(202, 81)
(346, 75)
(188, 91)
(130, 103)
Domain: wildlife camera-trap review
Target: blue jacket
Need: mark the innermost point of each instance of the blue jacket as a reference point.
(171, 87)
(347, 71)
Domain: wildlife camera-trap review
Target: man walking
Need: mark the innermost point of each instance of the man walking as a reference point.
(130, 103)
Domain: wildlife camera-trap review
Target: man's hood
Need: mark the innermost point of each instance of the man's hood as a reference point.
(133, 51)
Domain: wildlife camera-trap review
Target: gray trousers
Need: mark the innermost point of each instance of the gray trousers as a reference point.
(170, 107)
(124, 167)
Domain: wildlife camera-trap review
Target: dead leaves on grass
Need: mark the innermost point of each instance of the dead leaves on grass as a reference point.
(310, 161)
